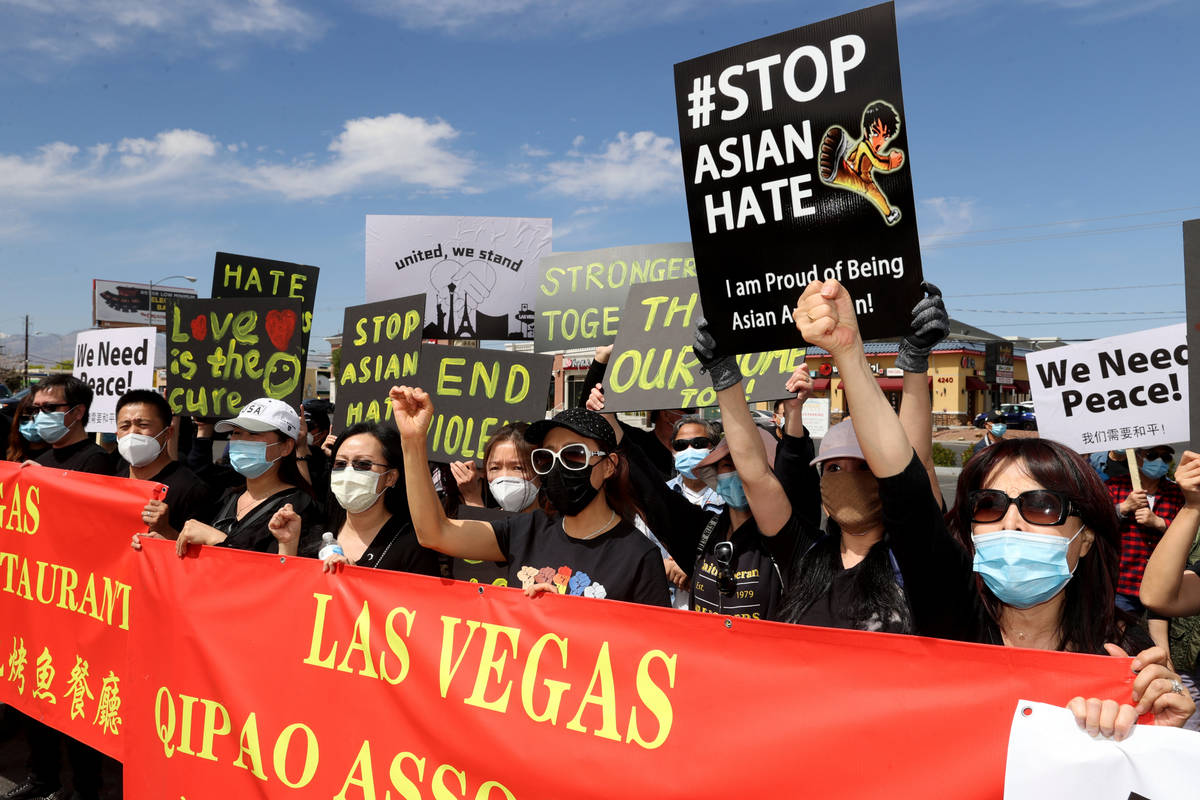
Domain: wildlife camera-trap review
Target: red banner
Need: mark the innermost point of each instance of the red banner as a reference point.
(377, 685)
(250, 675)
(67, 600)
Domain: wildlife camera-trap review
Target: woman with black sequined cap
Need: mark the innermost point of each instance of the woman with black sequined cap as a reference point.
(589, 548)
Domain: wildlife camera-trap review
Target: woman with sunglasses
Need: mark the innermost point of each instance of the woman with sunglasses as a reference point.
(590, 548)
(1032, 521)
(369, 509)
(24, 441)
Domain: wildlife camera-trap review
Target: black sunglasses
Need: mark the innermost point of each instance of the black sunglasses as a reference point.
(49, 408)
(357, 464)
(700, 443)
(1036, 506)
(723, 553)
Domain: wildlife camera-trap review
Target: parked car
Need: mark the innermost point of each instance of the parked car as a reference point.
(1018, 416)
(13, 399)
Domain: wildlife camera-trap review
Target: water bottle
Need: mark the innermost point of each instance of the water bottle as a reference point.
(329, 547)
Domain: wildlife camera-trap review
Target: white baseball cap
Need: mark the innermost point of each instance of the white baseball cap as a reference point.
(262, 415)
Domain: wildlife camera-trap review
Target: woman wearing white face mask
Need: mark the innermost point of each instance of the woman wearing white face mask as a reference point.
(368, 509)
(507, 468)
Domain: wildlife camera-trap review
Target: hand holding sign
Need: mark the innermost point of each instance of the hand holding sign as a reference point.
(801, 384)
(930, 324)
(724, 371)
(1134, 501)
(825, 317)
(413, 410)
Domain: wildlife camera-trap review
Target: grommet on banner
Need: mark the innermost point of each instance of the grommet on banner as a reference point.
(728, 623)
(1027, 711)
(283, 559)
(481, 590)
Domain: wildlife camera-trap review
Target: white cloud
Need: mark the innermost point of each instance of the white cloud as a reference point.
(534, 152)
(944, 217)
(369, 153)
(69, 30)
(375, 151)
(633, 166)
(532, 18)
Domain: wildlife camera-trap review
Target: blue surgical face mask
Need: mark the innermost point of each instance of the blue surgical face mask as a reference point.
(1154, 468)
(29, 431)
(50, 425)
(1022, 568)
(998, 428)
(729, 486)
(686, 460)
(249, 459)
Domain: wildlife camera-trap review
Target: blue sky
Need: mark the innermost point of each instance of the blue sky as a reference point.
(1052, 142)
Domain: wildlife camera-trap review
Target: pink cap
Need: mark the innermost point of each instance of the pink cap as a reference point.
(839, 442)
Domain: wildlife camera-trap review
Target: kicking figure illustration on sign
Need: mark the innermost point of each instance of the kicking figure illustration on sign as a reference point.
(850, 164)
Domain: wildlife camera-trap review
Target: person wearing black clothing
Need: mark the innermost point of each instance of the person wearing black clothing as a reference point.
(143, 425)
(262, 441)
(369, 509)
(592, 549)
(60, 407)
(741, 555)
(654, 443)
(1003, 508)
(316, 420)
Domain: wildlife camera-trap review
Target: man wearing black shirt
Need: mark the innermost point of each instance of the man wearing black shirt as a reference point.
(143, 425)
(60, 406)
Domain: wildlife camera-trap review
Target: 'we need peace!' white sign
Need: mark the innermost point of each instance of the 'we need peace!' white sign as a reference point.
(1115, 393)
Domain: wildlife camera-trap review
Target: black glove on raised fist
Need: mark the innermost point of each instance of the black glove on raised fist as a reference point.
(723, 370)
(930, 325)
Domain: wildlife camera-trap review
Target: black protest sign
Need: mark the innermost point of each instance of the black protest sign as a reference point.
(475, 391)
(795, 160)
(380, 343)
(247, 276)
(222, 354)
(1191, 277)
(653, 364)
(581, 295)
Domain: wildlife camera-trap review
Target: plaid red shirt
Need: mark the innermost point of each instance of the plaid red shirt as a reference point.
(1137, 543)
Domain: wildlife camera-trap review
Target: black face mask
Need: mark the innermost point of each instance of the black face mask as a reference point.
(569, 491)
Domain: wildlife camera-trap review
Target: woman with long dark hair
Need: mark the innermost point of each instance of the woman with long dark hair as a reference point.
(589, 548)
(1030, 559)
(368, 508)
(24, 441)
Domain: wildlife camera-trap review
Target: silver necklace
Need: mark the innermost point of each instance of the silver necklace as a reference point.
(611, 516)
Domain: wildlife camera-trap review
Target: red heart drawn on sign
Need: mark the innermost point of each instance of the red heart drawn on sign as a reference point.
(200, 328)
(280, 325)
